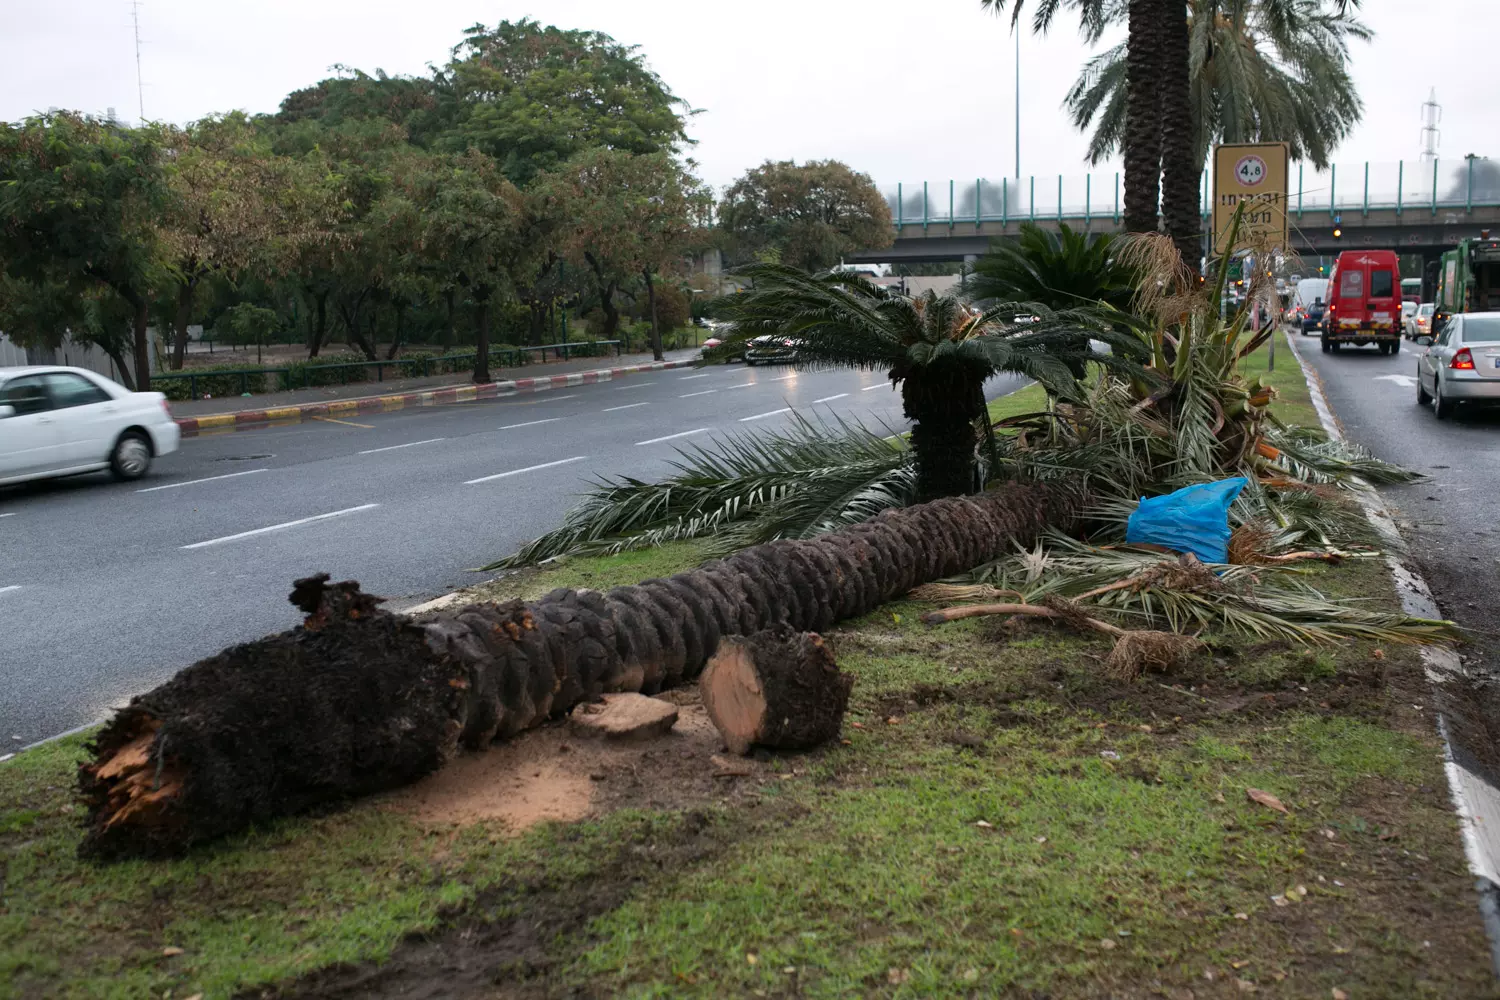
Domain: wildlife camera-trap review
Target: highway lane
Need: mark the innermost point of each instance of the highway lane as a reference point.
(1451, 521)
(107, 589)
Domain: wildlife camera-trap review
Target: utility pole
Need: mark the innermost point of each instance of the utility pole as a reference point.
(1014, 28)
(140, 88)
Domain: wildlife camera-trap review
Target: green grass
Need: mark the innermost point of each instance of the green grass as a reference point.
(1115, 812)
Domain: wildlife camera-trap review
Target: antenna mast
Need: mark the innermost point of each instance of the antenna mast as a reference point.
(1432, 114)
(140, 90)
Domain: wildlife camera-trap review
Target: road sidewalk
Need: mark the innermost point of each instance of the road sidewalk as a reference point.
(198, 416)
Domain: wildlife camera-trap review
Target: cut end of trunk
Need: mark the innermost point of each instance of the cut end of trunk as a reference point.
(778, 688)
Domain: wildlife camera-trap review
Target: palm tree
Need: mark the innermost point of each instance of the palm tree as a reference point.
(1062, 270)
(1143, 110)
(938, 349)
(1262, 70)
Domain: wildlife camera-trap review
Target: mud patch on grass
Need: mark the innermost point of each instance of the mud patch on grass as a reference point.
(514, 937)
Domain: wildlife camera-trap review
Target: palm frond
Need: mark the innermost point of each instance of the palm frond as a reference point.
(808, 479)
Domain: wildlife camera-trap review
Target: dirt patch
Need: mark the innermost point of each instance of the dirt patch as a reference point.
(553, 774)
(510, 941)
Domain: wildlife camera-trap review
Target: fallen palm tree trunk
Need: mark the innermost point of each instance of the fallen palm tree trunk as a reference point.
(358, 700)
(779, 688)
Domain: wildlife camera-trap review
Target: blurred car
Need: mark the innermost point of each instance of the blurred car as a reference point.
(59, 421)
(1408, 312)
(1309, 298)
(770, 349)
(1462, 365)
(1420, 324)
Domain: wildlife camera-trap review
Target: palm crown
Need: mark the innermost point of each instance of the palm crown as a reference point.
(939, 349)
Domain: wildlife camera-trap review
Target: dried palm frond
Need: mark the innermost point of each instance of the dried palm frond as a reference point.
(1265, 602)
(960, 592)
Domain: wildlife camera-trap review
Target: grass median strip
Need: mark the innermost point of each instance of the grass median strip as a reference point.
(1002, 818)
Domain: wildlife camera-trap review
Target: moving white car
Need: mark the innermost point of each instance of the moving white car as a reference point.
(58, 421)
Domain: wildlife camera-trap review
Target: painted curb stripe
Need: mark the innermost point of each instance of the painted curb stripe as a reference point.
(253, 419)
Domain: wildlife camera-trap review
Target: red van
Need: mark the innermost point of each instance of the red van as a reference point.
(1364, 301)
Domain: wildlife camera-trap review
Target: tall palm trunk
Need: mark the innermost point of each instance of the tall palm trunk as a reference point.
(1142, 144)
(945, 406)
(1180, 169)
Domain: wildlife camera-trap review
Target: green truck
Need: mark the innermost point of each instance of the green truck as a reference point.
(1468, 280)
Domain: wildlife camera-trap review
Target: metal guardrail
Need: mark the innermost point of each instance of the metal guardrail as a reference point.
(1400, 186)
(407, 367)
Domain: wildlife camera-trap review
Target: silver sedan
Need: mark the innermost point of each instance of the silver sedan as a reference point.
(1462, 364)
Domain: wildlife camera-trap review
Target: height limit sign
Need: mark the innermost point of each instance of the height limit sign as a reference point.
(1254, 174)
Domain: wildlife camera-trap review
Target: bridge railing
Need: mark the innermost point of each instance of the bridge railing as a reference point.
(1340, 189)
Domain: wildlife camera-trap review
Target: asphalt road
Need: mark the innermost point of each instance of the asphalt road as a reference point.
(1452, 520)
(107, 589)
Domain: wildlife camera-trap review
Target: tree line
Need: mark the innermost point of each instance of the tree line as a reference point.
(538, 170)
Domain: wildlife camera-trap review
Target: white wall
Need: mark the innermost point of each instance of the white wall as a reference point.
(77, 355)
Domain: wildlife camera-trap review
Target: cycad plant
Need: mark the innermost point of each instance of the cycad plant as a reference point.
(1062, 270)
(1196, 415)
(938, 349)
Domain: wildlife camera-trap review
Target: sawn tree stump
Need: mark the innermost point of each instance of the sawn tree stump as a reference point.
(778, 688)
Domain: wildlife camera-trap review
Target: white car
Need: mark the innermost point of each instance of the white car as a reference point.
(58, 421)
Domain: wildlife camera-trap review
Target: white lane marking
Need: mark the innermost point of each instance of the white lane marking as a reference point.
(782, 378)
(829, 399)
(638, 385)
(743, 385)
(530, 423)
(280, 527)
(409, 444)
(877, 385)
(627, 406)
(529, 468)
(194, 482)
(6, 590)
(11, 514)
(690, 395)
(704, 375)
(673, 437)
(559, 399)
(768, 413)
(1405, 381)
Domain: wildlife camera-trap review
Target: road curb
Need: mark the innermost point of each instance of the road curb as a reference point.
(1475, 800)
(253, 419)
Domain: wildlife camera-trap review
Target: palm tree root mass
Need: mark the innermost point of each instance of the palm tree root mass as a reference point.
(357, 699)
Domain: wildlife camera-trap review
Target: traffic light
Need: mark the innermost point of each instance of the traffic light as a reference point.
(1337, 233)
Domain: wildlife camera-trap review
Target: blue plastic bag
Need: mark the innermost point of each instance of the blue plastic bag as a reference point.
(1194, 519)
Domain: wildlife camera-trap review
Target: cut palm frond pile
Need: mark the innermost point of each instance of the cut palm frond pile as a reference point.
(743, 489)
(1137, 587)
(1197, 417)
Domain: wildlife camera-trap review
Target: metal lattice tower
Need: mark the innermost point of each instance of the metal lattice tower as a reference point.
(1432, 136)
(140, 88)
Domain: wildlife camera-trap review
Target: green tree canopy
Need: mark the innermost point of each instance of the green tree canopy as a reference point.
(533, 96)
(808, 216)
(79, 204)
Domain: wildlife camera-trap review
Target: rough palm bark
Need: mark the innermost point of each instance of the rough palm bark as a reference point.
(1142, 146)
(945, 406)
(357, 699)
(1181, 169)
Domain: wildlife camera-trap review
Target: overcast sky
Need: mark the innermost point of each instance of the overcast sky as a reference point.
(906, 91)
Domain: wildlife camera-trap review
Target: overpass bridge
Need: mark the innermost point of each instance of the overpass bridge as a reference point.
(1412, 207)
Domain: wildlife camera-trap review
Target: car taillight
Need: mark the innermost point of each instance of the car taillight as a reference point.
(166, 407)
(1462, 360)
